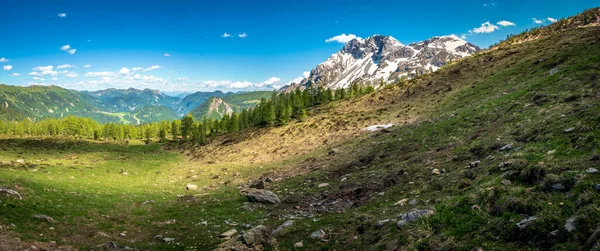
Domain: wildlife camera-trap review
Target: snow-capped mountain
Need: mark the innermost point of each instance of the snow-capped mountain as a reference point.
(383, 58)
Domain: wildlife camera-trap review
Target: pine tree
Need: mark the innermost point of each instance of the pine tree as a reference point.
(175, 129)
(186, 126)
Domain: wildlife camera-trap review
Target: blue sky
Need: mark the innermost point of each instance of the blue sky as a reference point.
(232, 45)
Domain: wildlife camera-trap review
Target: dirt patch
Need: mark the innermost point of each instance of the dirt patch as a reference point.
(9, 241)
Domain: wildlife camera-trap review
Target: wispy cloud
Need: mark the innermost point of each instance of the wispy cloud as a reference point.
(44, 70)
(553, 20)
(65, 66)
(243, 35)
(137, 68)
(151, 68)
(7, 67)
(87, 66)
(486, 27)
(68, 49)
(62, 14)
(226, 35)
(343, 38)
(537, 21)
(3, 60)
(99, 74)
(269, 82)
(15, 75)
(167, 55)
(71, 75)
(505, 23)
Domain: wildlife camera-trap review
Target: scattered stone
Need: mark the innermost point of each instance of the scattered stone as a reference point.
(258, 184)
(558, 187)
(11, 192)
(382, 223)
(216, 176)
(111, 245)
(258, 235)
(526, 222)
(299, 245)
(401, 202)
(474, 164)
(554, 233)
(570, 129)
(123, 172)
(148, 202)
(323, 185)
(553, 71)
(506, 147)
(551, 152)
(191, 187)
(229, 233)
(102, 234)
(269, 179)
(435, 171)
(44, 217)
(167, 239)
(592, 170)
(413, 215)
(570, 225)
(477, 249)
(318, 235)
(476, 207)
(282, 227)
(506, 182)
(123, 235)
(20, 161)
(413, 202)
(261, 196)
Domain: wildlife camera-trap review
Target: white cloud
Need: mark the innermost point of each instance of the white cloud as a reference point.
(181, 79)
(124, 71)
(68, 49)
(62, 14)
(151, 68)
(15, 75)
(65, 66)
(35, 74)
(226, 35)
(553, 20)
(505, 23)
(71, 75)
(306, 74)
(99, 74)
(243, 35)
(3, 60)
(463, 36)
(167, 55)
(87, 66)
(7, 67)
(268, 82)
(44, 70)
(341, 38)
(537, 21)
(486, 27)
(54, 79)
(296, 80)
(137, 68)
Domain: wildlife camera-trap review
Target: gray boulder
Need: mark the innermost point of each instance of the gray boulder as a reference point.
(261, 196)
(414, 215)
(283, 226)
(259, 235)
(526, 222)
(318, 235)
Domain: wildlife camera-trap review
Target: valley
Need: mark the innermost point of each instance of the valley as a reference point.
(494, 151)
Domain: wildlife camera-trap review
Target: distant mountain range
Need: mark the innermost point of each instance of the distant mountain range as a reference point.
(130, 106)
(380, 59)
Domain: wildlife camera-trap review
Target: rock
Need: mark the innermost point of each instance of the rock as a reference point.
(261, 196)
(553, 71)
(123, 235)
(506, 147)
(506, 182)
(268, 179)
(258, 184)
(558, 187)
(551, 152)
(474, 164)
(259, 235)
(216, 176)
(167, 239)
(570, 225)
(11, 192)
(401, 202)
(570, 129)
(323, 185)
(413, 202)
(414, 215)
(477, 249)
(318, 235)
(102, 234)
(592, 170)
(191, 187)
(597, 188)
(435, 171)
(229, 233)
(20, 161)
(299, 245)
(111, 245)
(282, 227)
(382, 223)
(44, 217)
(526, 222)
(123, 172)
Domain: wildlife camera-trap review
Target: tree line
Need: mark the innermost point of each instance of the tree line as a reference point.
(280, 109)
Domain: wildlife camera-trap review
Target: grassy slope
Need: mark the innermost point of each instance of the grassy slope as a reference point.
(446, 120)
